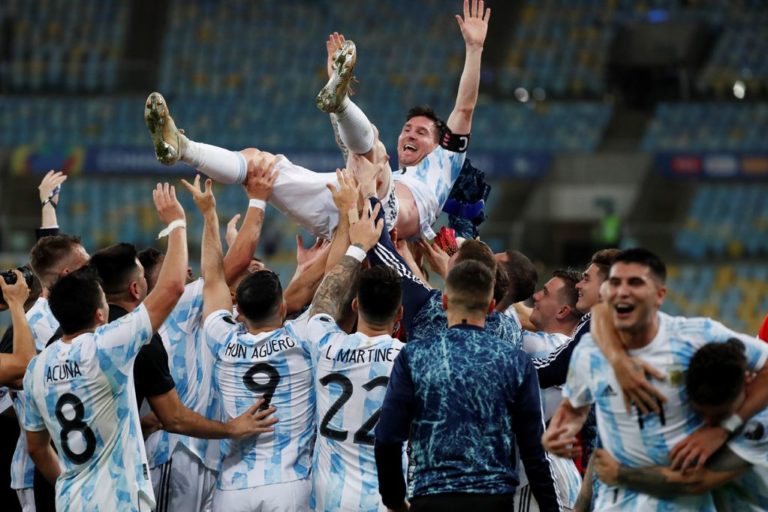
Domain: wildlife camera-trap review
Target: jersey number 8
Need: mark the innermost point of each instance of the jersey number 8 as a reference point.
(75, 424)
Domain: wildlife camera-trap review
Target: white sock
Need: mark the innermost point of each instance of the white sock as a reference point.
(355, 129)
(217, 163)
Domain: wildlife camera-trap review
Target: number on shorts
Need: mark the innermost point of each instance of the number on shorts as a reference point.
(363, 434)
(266, 390)
(75, 424)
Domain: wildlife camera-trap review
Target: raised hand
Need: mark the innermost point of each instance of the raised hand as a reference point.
(231, 233)
(332, 44)
(168, 207)
(203, 199)
(347, 193)
(436, 257)
(366, 231)
(365, 173)
(49, 187)
(305, 257)
(474, 24)
(261, 177)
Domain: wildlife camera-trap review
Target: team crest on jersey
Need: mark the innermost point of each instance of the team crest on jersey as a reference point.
(676, 375)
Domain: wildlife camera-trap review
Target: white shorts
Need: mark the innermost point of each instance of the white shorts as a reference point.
(304, 197)
(26, 499)
(285, 497)
(567, 484)
(183, 484)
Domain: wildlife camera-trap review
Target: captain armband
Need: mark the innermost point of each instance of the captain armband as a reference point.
(454, 142)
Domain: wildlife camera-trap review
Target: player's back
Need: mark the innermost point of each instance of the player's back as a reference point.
(276, 366)
(351, 380)
(82, 393)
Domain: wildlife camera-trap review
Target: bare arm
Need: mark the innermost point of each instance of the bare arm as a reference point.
(560, 437)
(310, 269)
(346, 197)
(176, 418)
(665, 482)
(173, 274)
(215, 291)
(49, 199)
(336, 288)
(13, 366)
(474, 27)
(584, 499)
(258, 185)
(41, 451)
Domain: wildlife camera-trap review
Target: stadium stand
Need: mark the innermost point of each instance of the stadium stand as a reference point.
(708, 127)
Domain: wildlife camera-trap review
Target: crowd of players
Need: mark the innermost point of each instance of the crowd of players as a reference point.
(358, 386)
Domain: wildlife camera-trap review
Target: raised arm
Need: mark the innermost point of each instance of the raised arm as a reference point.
(310, 269)
(13, 366)
(336, 288)
(346, 198)
(215, 291)
(173, 274)
(474, 27)
(49, 198)
(258, 186)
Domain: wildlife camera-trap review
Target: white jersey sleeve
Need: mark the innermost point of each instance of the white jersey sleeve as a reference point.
(715, 332)
(118, 343)
(31, 419)
(42, 323)
(579, 386)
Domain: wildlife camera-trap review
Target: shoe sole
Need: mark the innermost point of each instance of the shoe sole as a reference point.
(159, 121)
(330, 97)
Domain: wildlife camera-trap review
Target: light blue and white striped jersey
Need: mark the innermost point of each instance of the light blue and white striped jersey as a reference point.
(277, 366)
(646, 440)
(351, 379)
(538, 345)
(191, 365)
(82, 393)
(749, 492)
(43, 325)
(430, 182)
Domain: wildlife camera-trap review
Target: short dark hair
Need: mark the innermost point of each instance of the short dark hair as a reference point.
(569, 293)
(469, 285)
(47, 252)
(429, 113)
(75, 298)
(523, 276)
(477, 251)
(149, 257)
(379, 295)
(716, 373)
(501, 283)
(603, 259)
(116, 266)
(259, 296)
(646, 258)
